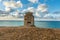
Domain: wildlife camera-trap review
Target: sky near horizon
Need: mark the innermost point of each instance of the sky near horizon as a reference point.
(36, 6)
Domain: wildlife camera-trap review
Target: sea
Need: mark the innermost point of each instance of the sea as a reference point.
(40, 24)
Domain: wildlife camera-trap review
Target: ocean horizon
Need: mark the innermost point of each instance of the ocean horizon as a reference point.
(40, 24)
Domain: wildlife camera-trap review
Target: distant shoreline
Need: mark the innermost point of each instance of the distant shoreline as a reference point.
(23, 20)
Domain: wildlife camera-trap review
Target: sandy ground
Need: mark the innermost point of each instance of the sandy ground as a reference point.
(29, 33)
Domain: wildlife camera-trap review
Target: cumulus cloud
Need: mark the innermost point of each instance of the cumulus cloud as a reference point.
(33, 1)
(42, 8)
(55, 15)
(16, 13)
(9, 4)
(12, 4)
(7, 9)
(19, 4)
(30, 9)
(40, 11)
(50, 15)
(37, 14)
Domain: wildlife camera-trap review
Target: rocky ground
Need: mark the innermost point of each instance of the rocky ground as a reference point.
(32, 33)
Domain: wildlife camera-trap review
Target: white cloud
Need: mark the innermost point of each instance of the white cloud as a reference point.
(19, 4)
(9, 4)
(29, 9)
(24, 10)
(15, 13)
(41, 10)
(7, 9)
(32, 9)
(12, 4)
(42, 7)
(50, 15)
(33, 1)
(37, 14)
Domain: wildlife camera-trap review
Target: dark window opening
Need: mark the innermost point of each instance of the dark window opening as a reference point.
(29, 22)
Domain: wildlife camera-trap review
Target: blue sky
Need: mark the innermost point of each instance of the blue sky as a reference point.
(53, 5)
(36, 6)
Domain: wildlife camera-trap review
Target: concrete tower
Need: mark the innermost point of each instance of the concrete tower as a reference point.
(29, 19)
